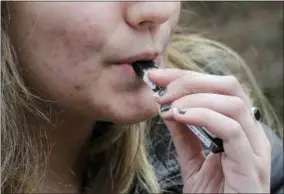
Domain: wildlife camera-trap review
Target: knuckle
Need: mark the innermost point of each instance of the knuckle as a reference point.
(187, 84)
(236, 130)
(239, 105)
(185, 79)
(232, 82)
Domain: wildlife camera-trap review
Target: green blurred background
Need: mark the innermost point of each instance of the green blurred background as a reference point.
(253, 29)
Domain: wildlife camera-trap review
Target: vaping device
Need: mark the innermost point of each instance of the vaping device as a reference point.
(212, 142)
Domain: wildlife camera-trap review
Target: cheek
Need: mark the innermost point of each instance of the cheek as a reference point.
(64, 61)
(63, 83)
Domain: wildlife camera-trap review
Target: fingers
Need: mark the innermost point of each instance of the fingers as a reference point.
(163, 77)
(188, 148)
(188, 82)
(219, 104)
(236, 144)
(184, 83)
(231, 106)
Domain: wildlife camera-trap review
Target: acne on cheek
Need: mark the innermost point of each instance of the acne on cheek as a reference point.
(76, 63)
(70, 58)
(69, 49)
(81, 43)
(61, 76)
(79, 87)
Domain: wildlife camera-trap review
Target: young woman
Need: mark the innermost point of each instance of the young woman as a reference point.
(76, 118)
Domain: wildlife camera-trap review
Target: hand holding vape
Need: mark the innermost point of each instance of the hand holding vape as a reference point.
(212, 142)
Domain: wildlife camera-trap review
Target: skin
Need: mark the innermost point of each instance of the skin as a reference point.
(70, 51)
(215, 102)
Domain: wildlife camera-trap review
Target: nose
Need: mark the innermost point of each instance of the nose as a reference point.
(147, 15)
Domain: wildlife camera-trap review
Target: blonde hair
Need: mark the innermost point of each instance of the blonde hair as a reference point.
(124, 147)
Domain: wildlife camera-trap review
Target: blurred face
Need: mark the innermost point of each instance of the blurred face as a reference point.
(79, 53)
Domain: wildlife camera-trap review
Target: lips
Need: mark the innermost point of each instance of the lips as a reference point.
(154, 56)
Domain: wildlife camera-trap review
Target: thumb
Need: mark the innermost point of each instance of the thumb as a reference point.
(188, 148)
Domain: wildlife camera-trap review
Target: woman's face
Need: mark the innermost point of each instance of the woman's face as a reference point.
(78, 53)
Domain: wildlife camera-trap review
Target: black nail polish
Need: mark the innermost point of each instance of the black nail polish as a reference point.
(165, 107)
(181, 111)
(162, 92)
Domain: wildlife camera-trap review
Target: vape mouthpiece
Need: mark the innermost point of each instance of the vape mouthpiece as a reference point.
(140, 67)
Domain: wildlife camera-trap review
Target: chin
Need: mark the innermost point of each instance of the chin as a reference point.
(133, 117)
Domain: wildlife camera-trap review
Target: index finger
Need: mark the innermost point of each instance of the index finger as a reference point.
(163, 77)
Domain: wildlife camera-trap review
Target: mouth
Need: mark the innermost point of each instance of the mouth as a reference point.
(147, 56)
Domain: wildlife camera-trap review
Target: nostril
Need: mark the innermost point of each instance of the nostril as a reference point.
(142, 23)
(146, 24)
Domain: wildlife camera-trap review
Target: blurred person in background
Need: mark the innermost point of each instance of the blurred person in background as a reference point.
(77, 119)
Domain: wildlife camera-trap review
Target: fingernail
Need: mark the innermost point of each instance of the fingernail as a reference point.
(181, 111)
(165, 107)
(162, 92)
